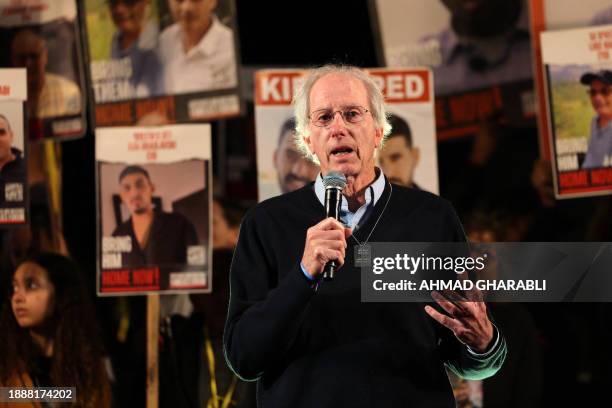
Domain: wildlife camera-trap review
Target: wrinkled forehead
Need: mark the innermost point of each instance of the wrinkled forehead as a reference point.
(338, 90)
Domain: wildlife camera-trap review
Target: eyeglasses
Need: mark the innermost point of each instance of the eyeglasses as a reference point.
(114, 3)
(603, 91)
(350, 114)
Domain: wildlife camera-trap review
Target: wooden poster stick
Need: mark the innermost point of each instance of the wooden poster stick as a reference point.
(152, 351)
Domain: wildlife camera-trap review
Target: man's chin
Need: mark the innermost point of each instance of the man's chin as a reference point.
(346, 168)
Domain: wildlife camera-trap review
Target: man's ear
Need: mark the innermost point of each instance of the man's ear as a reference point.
(378, 137)
(152, 188)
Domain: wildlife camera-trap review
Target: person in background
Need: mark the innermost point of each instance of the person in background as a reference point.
(225, 224)
(518, 384)
(212, 308)
(49, 337)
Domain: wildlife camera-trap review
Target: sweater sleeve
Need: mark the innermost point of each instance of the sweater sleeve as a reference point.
(265, 312)
(472, 366)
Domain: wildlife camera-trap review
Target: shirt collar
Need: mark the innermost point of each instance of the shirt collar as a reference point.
(207, 44)
(147, 40)
(377, 188)
(595, 126)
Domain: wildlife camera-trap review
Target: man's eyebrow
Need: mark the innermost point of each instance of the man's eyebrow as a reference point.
(342, 107)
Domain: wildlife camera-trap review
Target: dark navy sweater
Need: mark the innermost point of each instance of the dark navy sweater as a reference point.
(324, 347)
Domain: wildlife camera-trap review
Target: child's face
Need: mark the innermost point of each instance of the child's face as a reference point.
(33, 295)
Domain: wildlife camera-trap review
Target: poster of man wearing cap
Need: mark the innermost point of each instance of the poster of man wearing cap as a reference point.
(579, 109)
(599, 152)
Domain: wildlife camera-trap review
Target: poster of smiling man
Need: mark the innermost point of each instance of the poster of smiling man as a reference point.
(156, 62)
(579, 107)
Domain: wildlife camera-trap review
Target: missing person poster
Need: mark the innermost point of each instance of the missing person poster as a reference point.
(479, 51)
(13, 169)
(155, 62)
(43, 37)
(409, 156)
(154, 212)
(579, 107)
(559, 15)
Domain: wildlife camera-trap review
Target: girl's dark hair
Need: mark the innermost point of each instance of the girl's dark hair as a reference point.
(77, 349)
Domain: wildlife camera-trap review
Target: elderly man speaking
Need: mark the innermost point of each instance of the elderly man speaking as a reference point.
(313, 343)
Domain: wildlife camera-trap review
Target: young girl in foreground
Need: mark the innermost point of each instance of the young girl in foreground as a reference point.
(48, 333)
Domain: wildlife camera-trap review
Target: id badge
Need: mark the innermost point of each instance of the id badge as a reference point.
(363, 255)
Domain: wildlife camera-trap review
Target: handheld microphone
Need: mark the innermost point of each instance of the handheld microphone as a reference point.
(334, 183)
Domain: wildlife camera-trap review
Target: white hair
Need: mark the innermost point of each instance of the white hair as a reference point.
(301, 102)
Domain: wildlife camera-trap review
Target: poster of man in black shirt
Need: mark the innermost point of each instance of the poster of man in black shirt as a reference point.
(157, 237)
(13, 175)
(154, 209)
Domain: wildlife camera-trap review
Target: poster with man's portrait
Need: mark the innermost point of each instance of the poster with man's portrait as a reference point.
(479, 51)
(43, 36)
(408, 158)
(154, 212)
(14, 207)
(155, 62)
(560, 15)
(579, 89)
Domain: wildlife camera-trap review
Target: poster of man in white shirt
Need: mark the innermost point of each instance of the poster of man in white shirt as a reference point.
(167, 61)
(197, 50)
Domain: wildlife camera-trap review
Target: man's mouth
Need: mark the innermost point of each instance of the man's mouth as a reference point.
(341, 151)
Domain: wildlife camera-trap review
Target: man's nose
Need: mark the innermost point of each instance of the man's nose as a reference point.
(337, 123)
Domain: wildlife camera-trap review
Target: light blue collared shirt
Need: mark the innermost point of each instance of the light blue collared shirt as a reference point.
(599, 152)
(351, 219)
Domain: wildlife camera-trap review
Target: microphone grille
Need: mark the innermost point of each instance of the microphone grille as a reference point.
(334, 179)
